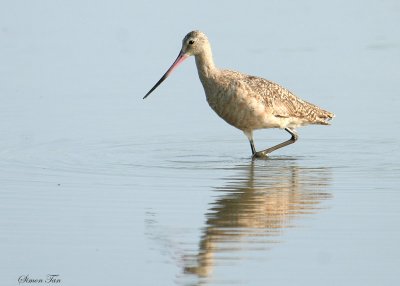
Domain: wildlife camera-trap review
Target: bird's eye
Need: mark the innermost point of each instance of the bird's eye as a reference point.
(191, 42)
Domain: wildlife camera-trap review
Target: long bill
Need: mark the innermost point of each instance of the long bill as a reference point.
(181, 57)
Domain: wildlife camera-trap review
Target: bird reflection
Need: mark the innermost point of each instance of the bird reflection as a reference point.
(253, 210)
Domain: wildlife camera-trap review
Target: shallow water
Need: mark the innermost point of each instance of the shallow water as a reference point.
(103, 188)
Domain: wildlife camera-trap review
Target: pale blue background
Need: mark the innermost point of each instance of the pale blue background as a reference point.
(103, 188)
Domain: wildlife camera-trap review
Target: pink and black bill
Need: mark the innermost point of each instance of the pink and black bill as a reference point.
(181, 57)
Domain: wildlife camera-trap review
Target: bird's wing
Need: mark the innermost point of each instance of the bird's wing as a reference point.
(284, 103)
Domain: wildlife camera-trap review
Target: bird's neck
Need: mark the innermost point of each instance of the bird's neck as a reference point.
(205, 64)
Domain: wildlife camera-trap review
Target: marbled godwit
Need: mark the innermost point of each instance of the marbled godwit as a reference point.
(244, 101)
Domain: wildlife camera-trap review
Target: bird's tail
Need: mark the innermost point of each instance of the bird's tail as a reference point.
(323, 117)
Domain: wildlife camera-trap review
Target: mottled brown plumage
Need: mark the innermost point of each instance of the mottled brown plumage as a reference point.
(247, 102)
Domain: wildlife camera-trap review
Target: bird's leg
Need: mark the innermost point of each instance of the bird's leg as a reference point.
(253, 149)
(249, 135)
(254, 152)
(264, 153)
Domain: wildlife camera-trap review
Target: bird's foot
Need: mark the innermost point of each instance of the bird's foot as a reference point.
(260, 155)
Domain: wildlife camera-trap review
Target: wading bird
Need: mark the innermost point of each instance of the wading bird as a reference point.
(244, 101)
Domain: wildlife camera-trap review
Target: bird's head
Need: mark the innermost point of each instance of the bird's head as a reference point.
(194, 43)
